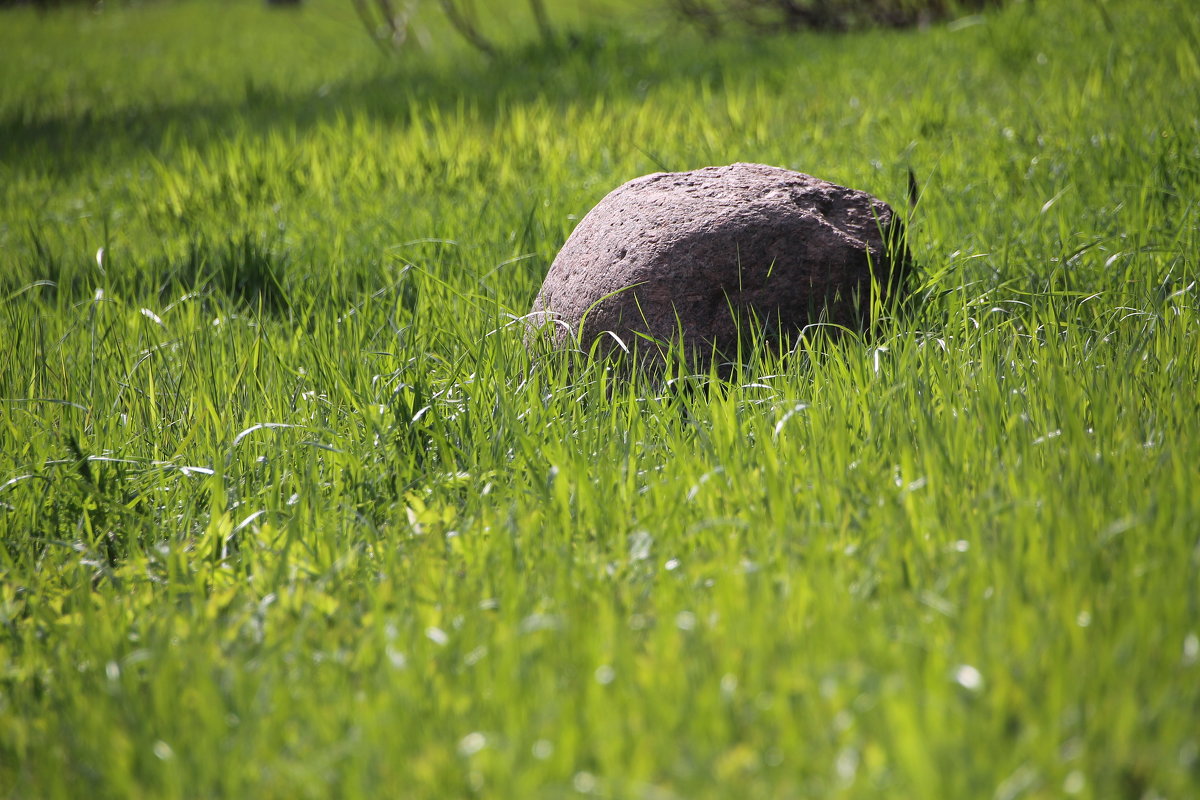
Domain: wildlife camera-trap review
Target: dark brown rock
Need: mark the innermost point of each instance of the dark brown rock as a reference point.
(702, 252)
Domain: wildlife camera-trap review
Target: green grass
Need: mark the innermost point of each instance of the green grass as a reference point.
(287, 509)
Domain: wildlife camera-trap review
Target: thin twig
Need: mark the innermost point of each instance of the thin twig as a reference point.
(466, 28)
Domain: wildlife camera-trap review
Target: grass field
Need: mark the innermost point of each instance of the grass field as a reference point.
(288, 511)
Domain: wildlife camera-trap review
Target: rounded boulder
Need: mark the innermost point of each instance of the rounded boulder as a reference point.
(692, 257)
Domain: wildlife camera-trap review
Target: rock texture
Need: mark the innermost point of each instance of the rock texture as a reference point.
(696, 254)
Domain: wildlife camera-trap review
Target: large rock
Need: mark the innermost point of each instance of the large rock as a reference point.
(696, 254)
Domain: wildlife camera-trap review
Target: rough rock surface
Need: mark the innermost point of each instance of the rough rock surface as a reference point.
(701, 252)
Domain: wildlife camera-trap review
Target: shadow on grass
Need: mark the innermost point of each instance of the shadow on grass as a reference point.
(578, 70)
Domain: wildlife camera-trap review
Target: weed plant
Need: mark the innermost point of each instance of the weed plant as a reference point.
(288, 510)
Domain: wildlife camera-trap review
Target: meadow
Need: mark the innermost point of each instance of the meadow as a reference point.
(287, 509)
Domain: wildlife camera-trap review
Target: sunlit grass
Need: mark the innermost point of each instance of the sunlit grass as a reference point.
(289, 510)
